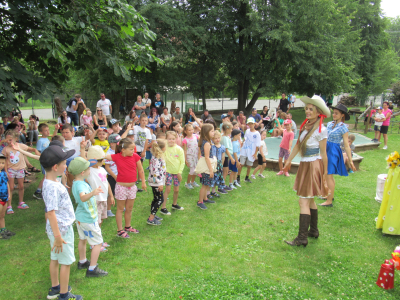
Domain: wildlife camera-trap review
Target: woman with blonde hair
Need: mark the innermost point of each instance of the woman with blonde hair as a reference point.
(99, 119)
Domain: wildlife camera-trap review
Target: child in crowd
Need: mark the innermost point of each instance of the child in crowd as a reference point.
(33, 132)
(60, 217)
(206, 164)
(87, 119)
(5, 194)
(175, 162)
(142, 137)
(286, 145)
(248, 153)
(176, 127)
(127, 162)
(161, 135)
(87, 216)
(41, 145)
(102, 135)
(351, 139)
(379, 116)
(115, 126)
(190, 145)
(98, 178)
(15, 166)
(112, 170)
(156, 179)
(152, 128)
(234, 168)
(241, 118)
(262, 153)
(227, 142)
(217, 151)
(224, 119)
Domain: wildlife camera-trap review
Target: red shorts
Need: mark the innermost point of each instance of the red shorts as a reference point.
(3, 202)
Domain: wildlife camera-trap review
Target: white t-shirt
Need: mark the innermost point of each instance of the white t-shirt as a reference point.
(379, 116)
(56, 198)
(167, 118)
(105, 106)
(313, 141)
(70, 109)
(60, 122)
(141, 135)
(112, 164)
(98, 177)
(263, 148)
(252, 140)
(147, 101)
(74, 144)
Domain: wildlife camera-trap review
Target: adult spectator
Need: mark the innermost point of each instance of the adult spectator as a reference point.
(259, 121)
(5, 122)
(154, 118)
(147, 101)
(99, 119)
(158, 103)
(105, 105)
(241, 119)
(72, 109)
(132, 117)
(264, 114)
(292, 100)
(177, 116)
(284, 104)
(206, 116)
(139, 106)
(20, 118)
(385, 125)
(189, 116)
(294, 126)
(165, 120)
(231, 116)
(63, 119)
(33, 132)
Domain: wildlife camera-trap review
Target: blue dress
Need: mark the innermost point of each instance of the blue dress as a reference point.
(334, 153)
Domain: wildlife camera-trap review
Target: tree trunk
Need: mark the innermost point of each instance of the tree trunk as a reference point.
(255, 97)
(203, 97)
(119, 96)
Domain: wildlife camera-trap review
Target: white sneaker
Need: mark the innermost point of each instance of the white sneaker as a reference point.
(261, 175)
(253, 177)
(188, 186)
(384, 147)
(232, 186)
(194, 184)
(236, 183)
(110, 214)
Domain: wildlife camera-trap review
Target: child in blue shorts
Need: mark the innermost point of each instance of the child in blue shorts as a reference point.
(60, 217)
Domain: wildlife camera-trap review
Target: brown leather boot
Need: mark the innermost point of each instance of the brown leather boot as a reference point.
(301, 238)
(313, 232)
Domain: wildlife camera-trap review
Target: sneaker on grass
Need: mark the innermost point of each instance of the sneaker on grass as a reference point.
(195, 184)
(252, 176)
(209, 201)
(110, 214)
(248, 180)
(222, 191)
(201, 205)
(70, 296)
(177, 207)
(228, 188)
(214, 194)
(164, 211)
(97, 272)
(54, 293)
(153, 222)
(158, 218)
(83, 266)
(237, 183)
(261, 175)
(188, 186)
(232, 186)
(37, 195)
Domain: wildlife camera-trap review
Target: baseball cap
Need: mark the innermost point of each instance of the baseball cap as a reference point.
(56, 143)
(223, 116)
(152, 126)
(235, 132)
(254, 109)
(95, 152)
(113, 121)
(250, 120)
(379, 107)
(287, 121)
(53, 155)
(79, 164)
(114, 138)
(131, 132)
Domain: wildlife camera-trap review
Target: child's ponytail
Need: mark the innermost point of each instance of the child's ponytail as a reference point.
(123, 144)
(156, 148)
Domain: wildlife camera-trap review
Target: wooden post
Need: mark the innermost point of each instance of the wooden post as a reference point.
(368, 119)
(356, 121)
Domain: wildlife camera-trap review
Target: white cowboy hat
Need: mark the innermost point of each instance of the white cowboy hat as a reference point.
(318, 102)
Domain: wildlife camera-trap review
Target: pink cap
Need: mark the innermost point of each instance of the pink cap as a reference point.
(287, 121)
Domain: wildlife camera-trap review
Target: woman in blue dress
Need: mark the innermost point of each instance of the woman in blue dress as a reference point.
(337, 131)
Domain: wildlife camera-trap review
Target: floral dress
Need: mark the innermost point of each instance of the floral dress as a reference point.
(218, 152)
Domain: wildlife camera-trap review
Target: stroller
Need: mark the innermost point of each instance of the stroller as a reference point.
(268, 122)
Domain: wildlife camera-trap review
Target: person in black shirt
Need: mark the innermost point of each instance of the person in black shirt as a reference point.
(284, 104)
(158, 103)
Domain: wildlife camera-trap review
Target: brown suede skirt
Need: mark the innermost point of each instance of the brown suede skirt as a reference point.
(309, 181)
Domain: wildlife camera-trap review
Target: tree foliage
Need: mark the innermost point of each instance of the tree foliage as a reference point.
(42, 39)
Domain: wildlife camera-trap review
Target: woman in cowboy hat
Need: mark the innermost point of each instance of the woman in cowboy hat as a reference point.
(311, 175)
(337, 130)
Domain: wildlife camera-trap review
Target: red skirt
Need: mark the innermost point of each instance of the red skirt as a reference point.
(309, 181)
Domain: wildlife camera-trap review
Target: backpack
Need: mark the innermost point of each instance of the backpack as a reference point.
(69, 104)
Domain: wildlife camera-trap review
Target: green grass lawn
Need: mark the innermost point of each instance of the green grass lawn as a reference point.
(233, 250)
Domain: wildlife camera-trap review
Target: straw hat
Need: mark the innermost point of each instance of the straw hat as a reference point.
(318, 102)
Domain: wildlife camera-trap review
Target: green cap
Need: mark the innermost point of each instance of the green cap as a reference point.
(79, 164)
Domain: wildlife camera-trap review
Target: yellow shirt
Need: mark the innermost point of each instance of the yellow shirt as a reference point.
(103, 144)
(174, 159)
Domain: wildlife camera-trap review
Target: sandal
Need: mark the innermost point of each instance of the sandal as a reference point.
(122, 234)
(9, 210)
(27, 180)
(33, 169)
(27, 173)
(105, 245)
(23, 205)
(130, 229)
(102, 249)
